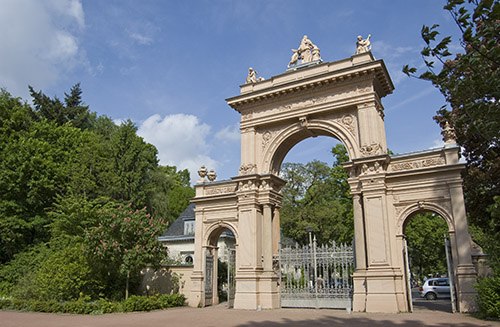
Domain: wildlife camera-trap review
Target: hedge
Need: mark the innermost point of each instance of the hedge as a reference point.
(81, 306)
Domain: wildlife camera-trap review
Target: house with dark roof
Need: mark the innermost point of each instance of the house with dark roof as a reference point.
(179, 238)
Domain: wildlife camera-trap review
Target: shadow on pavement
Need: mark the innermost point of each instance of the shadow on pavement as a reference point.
(351, 322)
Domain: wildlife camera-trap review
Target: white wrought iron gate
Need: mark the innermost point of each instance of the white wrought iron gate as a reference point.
(209, 279)
(316, 276)
(231, 281)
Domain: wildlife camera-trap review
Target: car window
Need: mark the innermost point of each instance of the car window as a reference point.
(431, 283)
(441, 283)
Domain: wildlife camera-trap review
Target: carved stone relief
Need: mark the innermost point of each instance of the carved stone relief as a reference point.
(266, 139)
(248, 169)
(219, 190)
(370, 149)
(303, 104)
(423, 163)
(349, 121)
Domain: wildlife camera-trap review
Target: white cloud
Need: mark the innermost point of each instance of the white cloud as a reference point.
(229, 134)
(142, 39)
(181, 140)
(39, 42)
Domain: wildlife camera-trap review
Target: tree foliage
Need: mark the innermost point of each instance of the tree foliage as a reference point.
(318, 196)
(470, 83)
(425, 234)
(126, 239)
(60, 164)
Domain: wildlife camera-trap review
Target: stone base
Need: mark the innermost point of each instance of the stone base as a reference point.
(195, 297)
(256, 289)
(379, 290)
(467, 295)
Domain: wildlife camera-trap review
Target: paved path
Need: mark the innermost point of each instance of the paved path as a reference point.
(219, 316)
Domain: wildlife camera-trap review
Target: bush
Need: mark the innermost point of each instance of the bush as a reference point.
(83, 306)
(488, 290)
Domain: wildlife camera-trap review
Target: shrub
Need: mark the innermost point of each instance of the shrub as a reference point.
(83, 306)
(488, 290)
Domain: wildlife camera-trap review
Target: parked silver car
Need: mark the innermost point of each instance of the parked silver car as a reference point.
(435, 288)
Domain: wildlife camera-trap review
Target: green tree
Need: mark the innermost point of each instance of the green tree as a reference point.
(425, 235)
(72, 111)
(132, 162)
(126, 239)
(470, 83)
(318, 196)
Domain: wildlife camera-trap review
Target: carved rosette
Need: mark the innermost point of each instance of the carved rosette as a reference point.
(416, 164)
(371, 149)
(248, 169)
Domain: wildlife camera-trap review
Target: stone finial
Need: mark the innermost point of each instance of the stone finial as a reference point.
(252, 76)
(212, 175)
(363, 46)
(449, 136)
(307, 52)
(202, 172)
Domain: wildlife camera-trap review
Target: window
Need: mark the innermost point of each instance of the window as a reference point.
(189, 227)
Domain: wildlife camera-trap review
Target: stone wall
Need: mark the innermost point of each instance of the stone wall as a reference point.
(168, 280)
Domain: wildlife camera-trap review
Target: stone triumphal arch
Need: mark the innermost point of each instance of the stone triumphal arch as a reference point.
(341, 99)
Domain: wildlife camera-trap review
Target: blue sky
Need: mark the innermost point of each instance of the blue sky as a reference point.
(169, 65)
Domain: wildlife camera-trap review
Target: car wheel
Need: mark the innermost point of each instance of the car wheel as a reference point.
(430, 296)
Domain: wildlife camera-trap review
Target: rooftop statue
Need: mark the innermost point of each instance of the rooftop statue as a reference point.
(363, 46)
(252, 76)
(306, 52)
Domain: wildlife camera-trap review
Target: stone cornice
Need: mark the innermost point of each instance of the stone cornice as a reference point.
(327, 74)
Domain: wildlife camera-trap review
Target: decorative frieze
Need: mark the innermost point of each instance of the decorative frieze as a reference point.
(303, 104)
(415, 164)
(220, 190)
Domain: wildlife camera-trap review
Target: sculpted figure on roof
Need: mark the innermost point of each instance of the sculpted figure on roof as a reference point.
(306, 52)
(363, 46)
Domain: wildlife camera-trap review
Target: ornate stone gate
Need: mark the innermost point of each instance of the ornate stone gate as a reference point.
(341, 99)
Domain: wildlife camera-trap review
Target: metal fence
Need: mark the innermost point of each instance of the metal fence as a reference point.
(314, 276)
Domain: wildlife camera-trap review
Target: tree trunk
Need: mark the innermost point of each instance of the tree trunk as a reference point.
(126, 285)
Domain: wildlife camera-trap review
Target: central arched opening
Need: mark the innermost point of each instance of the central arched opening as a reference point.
(317, 228)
